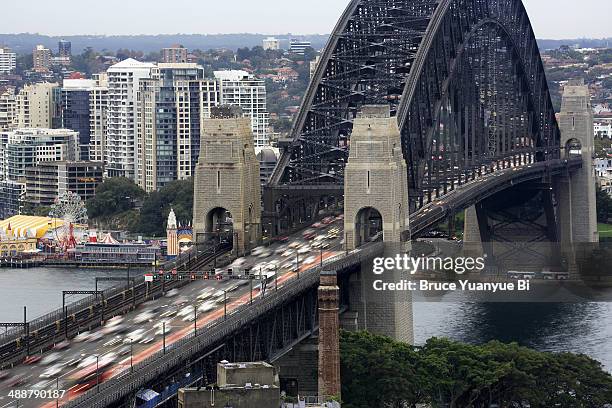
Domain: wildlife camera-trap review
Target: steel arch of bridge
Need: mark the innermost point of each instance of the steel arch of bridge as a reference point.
(463, 77)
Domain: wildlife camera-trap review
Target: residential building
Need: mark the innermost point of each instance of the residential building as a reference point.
(174, 54)
(121, 138)
(239, 385)
(171, 107)
(8, 110)
(8, 60)
(42, 58)
(37, 105)
(239, 88)
(313, 66)
(11, 196)
(271, 43)
(23, 148)
(83, 108)
(98, 116)
(299, 47)
(65, 49)
(603, 129)
(603, 171)
(48, 180)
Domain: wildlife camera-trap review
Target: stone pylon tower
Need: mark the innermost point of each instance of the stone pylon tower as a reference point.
(576, 192)
(376, 178)
(376, 192)
(172, 235)
(329, 336)
(227, 190)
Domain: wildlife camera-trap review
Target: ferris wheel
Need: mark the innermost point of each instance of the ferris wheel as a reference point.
(70, 209)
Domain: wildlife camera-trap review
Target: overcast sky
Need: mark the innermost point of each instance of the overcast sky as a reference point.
(555, 19)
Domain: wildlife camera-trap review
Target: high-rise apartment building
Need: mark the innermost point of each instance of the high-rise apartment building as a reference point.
(271, 43)
(299, 47)
(82, 110)
(23, 148)
(98, 116)
(121, 139)
(8, 110)
(171, 107)
(8, 60)
(242, 89)
(48, 180)
(41, 58)
(174, 54)
(65, 49)
(37, 105)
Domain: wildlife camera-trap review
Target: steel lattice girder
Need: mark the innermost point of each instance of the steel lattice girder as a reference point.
(464, 78)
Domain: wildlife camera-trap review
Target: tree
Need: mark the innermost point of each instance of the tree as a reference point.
(114, 196)
(377, 371)
(604, 205)
(155, 209)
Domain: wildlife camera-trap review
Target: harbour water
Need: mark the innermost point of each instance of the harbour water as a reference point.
(575, 327)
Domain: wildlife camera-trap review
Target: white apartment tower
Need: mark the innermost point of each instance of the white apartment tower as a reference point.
(36, 105)
(98, 116)
(41, 57)
(271, 43)
(242, 89)
(121, 139)
(8, 60)
(8, 110)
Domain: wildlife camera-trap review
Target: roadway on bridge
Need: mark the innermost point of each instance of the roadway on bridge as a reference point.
(73, 368)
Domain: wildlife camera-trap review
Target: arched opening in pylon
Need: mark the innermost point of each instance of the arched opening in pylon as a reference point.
(219, 224)
(368, 226)
(573, 148)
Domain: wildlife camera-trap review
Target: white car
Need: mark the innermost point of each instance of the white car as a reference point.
(206, 294)
(172, 293)
(143, 317)
(160, 327)
(288, 252)
(304, 250)
(114, 321)
(265, 254)
(82, 336)
(52, 371)
(134, 336)
(258, 250)
(186, 311)
(311, 259)
(206, 307)
(50, 358)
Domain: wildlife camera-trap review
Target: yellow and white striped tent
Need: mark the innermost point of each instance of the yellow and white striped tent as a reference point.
(26, 226)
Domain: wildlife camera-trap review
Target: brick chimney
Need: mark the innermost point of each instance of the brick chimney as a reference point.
(329, 336)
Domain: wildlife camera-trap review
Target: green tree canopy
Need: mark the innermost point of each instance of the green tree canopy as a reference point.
(379, 372)
(604, 206)
(114, 196)
(154, 212)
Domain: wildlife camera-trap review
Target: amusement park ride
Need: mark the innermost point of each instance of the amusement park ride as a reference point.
(70, 209)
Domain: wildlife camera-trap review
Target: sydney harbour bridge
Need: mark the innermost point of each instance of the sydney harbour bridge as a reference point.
(417, 110)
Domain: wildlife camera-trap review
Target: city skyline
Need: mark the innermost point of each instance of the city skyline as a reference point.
(552, 19)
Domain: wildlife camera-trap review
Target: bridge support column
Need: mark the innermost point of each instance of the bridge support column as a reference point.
(375, 181)
(578, 191)
(376, 199)
(227, 189)
(387, 313)
(472, 237)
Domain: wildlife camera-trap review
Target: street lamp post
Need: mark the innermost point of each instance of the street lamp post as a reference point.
(131, 355)
(195, 320)
(224, 304)
(97, 373)
(164, 335)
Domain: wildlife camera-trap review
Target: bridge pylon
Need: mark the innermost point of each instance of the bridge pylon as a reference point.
(227, 189)
(576, 192)
(376, 202)
(375, 181)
